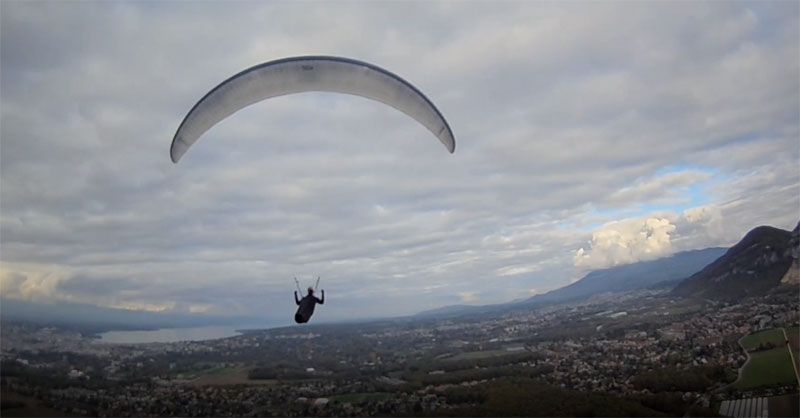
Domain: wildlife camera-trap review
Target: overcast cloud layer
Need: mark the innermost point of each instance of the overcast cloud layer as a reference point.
(588, 135)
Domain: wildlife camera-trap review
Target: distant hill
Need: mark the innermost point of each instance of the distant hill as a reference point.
(753, 266)
(664, 272)
(667, 271)
(92, 318)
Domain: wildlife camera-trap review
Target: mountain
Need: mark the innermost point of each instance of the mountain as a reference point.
(97, 319)
(642, 275)
(753, 266)
(662, 272)
(792, 276)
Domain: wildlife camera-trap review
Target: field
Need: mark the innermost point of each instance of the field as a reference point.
(355, 398)
(784, 406)
(796, 354)
(227, 376)
(774, 336)
(687, 306)
(793, 334)
(767, 368)
(28, 407)
(474, 355)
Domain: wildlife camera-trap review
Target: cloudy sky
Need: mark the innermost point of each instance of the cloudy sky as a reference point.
(588, 135)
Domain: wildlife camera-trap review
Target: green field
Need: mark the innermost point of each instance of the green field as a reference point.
(796, 354)
(685, 307)
(218, 371)
(474, 355)
(767, 368)
(774, 336)
(793, 334)
(206, 369)
(355, 398)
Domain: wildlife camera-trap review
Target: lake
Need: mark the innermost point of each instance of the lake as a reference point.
(170, 335)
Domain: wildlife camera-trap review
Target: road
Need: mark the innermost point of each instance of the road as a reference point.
(791, 354)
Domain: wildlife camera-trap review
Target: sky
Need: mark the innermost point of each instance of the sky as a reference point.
(588, 135)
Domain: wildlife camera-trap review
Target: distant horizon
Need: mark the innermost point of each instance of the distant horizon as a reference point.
(179, 318)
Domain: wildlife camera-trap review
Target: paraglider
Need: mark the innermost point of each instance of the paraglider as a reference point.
(304, 74)
(305, 306)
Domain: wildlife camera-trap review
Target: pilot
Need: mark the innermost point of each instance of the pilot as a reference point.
(306, 305)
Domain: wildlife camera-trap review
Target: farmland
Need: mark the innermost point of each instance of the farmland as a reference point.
(771, 336)
(770, 360)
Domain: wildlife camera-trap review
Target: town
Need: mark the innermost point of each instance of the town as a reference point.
(638, 353)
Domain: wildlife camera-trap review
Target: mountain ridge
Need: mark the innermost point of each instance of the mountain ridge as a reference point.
(756, 264)
(636, 276)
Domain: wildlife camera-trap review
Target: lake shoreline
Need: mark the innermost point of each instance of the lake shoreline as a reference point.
(172, 335)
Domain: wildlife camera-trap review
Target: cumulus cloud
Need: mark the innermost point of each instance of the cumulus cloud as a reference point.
(700, 226)
(647, 238)
(31, 281)
(626, 242)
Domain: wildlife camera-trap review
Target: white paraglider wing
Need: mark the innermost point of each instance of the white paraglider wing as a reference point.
(302, 74)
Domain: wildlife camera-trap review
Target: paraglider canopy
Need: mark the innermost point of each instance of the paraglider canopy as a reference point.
(303, 74)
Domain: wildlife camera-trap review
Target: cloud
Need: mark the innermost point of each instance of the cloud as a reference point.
(469, 296)
(626, 242)
(514, 270)
(31, 281)
(708, 219)
(576, 126)
(647, 238)
(668, 188)
(11, 283)
(151, 307)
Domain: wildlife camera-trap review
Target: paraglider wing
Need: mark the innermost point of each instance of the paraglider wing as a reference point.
(302, 74)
